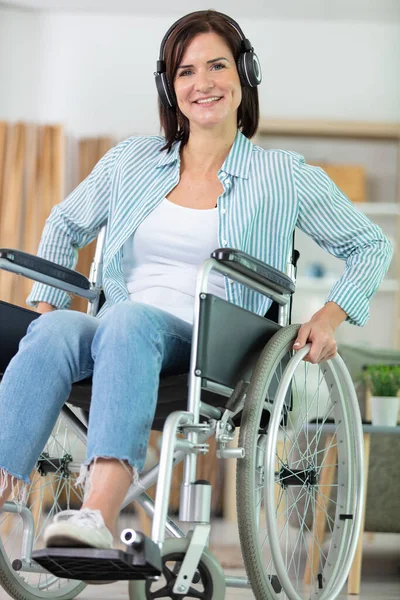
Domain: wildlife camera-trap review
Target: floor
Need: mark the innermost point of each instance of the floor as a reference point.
(380, 577)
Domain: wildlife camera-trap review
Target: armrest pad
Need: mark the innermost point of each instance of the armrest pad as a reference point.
(255, 269)
(46, 267)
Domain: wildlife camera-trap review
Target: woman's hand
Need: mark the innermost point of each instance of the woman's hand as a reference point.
(320, 332)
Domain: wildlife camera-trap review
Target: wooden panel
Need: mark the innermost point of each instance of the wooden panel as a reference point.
(32, 182)
(46, 172)
(12, 204)
(34, 223)
(351, 179)
(90, 152)
(58, 163)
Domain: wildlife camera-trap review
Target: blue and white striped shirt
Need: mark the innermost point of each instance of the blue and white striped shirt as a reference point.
(267, 193)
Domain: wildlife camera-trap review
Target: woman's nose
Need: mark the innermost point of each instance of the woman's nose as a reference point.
(204, 81)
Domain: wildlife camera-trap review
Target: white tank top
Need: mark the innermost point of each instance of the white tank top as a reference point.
(162, 258)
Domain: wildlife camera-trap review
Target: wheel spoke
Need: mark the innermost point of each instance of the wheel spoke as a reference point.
(46, 495)
(168, 574)
(161, 593)
(193, 593)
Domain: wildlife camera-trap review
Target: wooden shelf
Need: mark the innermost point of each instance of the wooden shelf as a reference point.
(329, 129)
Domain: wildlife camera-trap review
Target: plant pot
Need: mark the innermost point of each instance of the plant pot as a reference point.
(384, 410)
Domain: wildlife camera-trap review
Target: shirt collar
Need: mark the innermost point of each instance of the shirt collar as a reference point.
(167, 158)
(237, 163)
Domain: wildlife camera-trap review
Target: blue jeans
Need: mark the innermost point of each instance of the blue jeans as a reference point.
(125, 352)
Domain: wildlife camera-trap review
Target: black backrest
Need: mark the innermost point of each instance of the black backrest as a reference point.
(14, 322)
(230, 340)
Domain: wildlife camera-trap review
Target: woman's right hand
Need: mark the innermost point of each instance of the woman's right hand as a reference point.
(44, 307)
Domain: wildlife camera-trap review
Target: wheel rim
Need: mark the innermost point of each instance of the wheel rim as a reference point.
(296, 471)
(51, 490)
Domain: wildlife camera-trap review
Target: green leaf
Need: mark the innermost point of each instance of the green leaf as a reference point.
(382, 380)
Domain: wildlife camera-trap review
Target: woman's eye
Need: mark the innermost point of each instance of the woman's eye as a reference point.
(189, 71)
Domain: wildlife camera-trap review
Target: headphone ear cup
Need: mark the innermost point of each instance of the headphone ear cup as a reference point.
(241, 70)
(167, 97)
(249, 69)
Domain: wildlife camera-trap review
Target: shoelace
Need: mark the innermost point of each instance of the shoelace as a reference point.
(86, 514)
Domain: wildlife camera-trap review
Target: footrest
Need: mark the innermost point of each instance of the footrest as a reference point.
(92, 564)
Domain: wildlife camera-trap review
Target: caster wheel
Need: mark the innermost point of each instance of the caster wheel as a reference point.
(208, 582)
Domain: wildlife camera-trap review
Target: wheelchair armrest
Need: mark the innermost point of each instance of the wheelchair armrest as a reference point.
(255, 269)
(47, 272)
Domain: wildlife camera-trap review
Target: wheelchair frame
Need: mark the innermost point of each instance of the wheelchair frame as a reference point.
(195, 506)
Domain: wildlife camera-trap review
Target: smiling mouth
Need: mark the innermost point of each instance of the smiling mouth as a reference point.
(208, 101)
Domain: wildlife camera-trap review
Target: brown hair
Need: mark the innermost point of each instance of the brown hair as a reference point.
(172, 120)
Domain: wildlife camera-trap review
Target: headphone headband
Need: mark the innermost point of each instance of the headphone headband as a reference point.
(231, 22)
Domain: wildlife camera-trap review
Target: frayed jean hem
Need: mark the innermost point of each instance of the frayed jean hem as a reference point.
(19, 486)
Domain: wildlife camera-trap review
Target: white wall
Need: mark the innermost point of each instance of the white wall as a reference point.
(22, 75)
(95, 72)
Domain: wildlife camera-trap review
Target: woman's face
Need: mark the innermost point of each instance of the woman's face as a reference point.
(208, 72)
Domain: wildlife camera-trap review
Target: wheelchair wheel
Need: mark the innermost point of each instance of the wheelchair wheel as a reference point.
(51, 490)
(300, 485)
(208, 582)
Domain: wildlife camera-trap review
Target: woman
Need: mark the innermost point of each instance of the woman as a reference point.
(168, 203)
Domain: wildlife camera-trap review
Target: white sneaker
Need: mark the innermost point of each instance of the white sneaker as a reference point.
(78, 528)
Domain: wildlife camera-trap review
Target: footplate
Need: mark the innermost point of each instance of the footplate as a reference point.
(92, 564)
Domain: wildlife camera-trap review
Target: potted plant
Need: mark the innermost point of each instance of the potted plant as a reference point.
(383, 383)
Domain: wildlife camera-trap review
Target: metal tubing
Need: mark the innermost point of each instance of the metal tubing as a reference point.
(217, 388)
(28, 530)
(150, 478)
(148, 506)
(283, 315)
(96, 272)
(210, 411)
(74, 423)
(172, 423)
(213, 264)
(30, 566)
(237, 582)
(98, 253)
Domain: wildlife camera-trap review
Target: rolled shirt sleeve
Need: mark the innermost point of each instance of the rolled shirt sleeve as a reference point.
(336, 225)
(73, 224)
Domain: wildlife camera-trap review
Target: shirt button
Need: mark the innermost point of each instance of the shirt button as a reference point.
(223, 211)
(228, 180)
(224, 243)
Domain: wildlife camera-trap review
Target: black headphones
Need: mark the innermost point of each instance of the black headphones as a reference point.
(248, 65)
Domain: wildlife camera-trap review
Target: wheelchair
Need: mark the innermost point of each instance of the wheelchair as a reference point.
(299, 455)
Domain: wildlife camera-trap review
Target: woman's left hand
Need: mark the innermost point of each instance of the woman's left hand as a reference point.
(320, 332)
(321, 336)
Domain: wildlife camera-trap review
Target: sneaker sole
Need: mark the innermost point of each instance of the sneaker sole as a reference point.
(60, 536)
